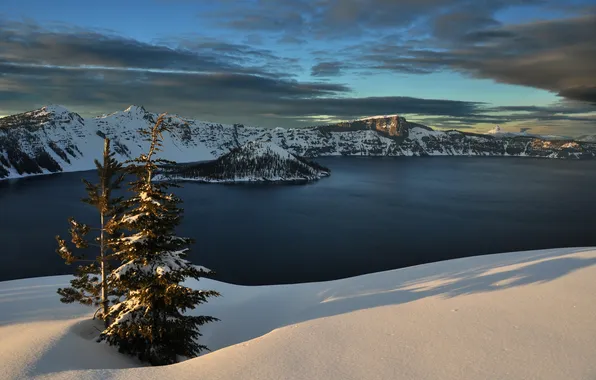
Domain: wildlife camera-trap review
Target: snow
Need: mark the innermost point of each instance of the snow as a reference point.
(523, 315)
(74, 142)
(138, 238)
(135, 109)
(133, 218)
(147, 198)
(168, 261)
(251, 152)
(54, 109)
(418, 133)
(262, 148)
(497, 131)
(570, 144)
(377, 117)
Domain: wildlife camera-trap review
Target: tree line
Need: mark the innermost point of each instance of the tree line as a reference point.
(242, 162)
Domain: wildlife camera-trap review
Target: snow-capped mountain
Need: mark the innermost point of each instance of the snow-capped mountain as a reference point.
(53, 139)
(255, 161)
(587, 138)
(497, 131)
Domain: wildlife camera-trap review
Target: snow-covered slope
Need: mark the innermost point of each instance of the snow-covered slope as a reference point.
(52, 139)
(255, 161)
(587, 138)
(497, 131)
(524, 315)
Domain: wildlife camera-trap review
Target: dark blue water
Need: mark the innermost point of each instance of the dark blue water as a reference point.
(372, 214)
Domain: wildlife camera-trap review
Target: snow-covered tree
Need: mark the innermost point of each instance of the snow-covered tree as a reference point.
(151, 322)
(89, 286)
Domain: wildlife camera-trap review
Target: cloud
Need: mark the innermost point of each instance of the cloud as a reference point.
(583, 93)
(31, 44)
(556, 55)
(199, 77)
(244, 98)
(230, 97)
(341, 19)
(426, 36)
(326, 69)
(250, 80)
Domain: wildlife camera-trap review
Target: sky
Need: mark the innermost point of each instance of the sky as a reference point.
(463, 64)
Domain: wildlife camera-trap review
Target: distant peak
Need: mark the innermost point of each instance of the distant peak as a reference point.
(496, 130)
(55, 109)
(378, 117)
(136, 109)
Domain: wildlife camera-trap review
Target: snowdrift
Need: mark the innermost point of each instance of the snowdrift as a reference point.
(524, 315)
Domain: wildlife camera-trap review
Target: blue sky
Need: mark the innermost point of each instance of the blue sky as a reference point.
(447, 63)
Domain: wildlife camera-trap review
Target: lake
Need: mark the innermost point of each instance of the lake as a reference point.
(372, 214)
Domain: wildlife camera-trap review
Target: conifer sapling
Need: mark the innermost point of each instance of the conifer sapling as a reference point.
(89, 287)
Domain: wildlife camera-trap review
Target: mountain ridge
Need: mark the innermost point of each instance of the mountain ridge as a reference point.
(53, 139)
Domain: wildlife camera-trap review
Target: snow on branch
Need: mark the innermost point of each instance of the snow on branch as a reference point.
(167, 261)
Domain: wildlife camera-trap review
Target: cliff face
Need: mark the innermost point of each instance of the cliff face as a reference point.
(394, 126)
(53, 139)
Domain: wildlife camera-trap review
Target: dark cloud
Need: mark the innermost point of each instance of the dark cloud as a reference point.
(223, 97)
(556, 55)
(326, 69)
(583, 93)
(486, 36)
(193, 76)
(76, 82)
(563, 108)
(347, 108)
(25, 43)
(453, 26)
(347, 18)
(425, 36)
(243, 98)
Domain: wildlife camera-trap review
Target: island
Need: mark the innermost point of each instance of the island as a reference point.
(255, 161)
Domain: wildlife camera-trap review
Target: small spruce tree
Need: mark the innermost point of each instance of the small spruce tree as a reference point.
(89, 287)
(150, 322)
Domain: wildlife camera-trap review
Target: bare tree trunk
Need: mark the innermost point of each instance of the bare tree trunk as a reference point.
(104, 284)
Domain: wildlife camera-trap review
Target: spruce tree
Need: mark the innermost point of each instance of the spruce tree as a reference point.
(150, 322)
(89, 287)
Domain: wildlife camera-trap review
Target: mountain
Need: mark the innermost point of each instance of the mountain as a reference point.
(255, 161)
(497, 131)
(587, 138)
(53, 139)
(388, 125)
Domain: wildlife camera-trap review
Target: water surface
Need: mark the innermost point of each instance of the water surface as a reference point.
(372, 214)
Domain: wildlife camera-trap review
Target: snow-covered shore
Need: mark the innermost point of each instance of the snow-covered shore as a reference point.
(524, 315)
